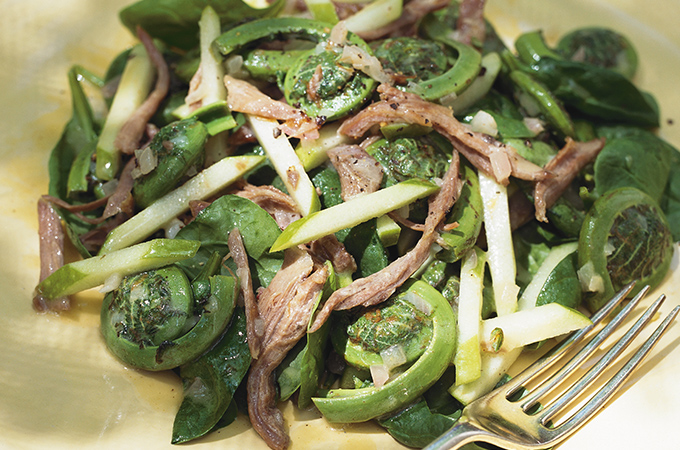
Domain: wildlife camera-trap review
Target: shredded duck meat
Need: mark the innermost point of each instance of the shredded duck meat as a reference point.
(328, 248)
(51, 254)
(279, 205)
(246, 98)
(132, 131)
(484, 152)
(470, 27)
(285, 306)
(359, 172)
(378, 287)
(568, 162)
(121, 201)
(254, 324)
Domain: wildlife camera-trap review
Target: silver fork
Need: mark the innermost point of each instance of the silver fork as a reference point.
(501, 419)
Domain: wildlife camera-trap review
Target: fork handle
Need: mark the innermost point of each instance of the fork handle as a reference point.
(463, 432)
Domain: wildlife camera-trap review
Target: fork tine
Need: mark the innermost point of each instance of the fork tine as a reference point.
(617, 381)
(602, 364)
(556, 353)
(578, 359)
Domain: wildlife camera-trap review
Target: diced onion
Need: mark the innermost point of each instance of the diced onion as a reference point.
(419, 303)
(147, 160)
(534, 125)
(361, 60)
(609, 248)
(393, 356)
(590, 280)
(483, 122)
(111, 283)
(110, 186)
(380, 374)
(234, 67)
(500, 165)
(172, 228)
(339, 33)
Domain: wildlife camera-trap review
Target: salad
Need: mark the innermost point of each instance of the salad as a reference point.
(316, 201)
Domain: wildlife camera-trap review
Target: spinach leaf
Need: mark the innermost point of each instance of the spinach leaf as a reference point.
(597, 92)
(211, 381)
(562, 285)
(69, 161)
(78, 135)
(289, 371)
(363, 243)
(417, 426)
(640, 161)
(175, 22)
(328, 182)
(213, 225)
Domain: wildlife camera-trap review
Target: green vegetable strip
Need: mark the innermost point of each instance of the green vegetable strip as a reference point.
(531, 48)
(135, 85)
(546, 101)
(494, 367)
(468, 357)
(491, 64)
(312, 153)
(286, 163)
(499, 239)
(374, 15)
(352, 213)
(202, 186)
(279, 27)
(322, 10)
(457, 78)
(88, 273)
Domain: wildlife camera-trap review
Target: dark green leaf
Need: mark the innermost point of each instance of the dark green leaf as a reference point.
(562, 285)
(597, 92)
(641, 161)
(213, 225)
(176, 21)
(211, 381)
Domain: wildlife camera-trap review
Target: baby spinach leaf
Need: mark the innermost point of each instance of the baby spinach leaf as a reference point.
(175, 22)
(417, 426)
(597, 92)
(211, 381)
(641, 161)
(289, 371)
(213, 225)
(562, 285)
(78, 135)
(364, 244)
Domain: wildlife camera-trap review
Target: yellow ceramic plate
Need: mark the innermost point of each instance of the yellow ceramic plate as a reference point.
(59, 388)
